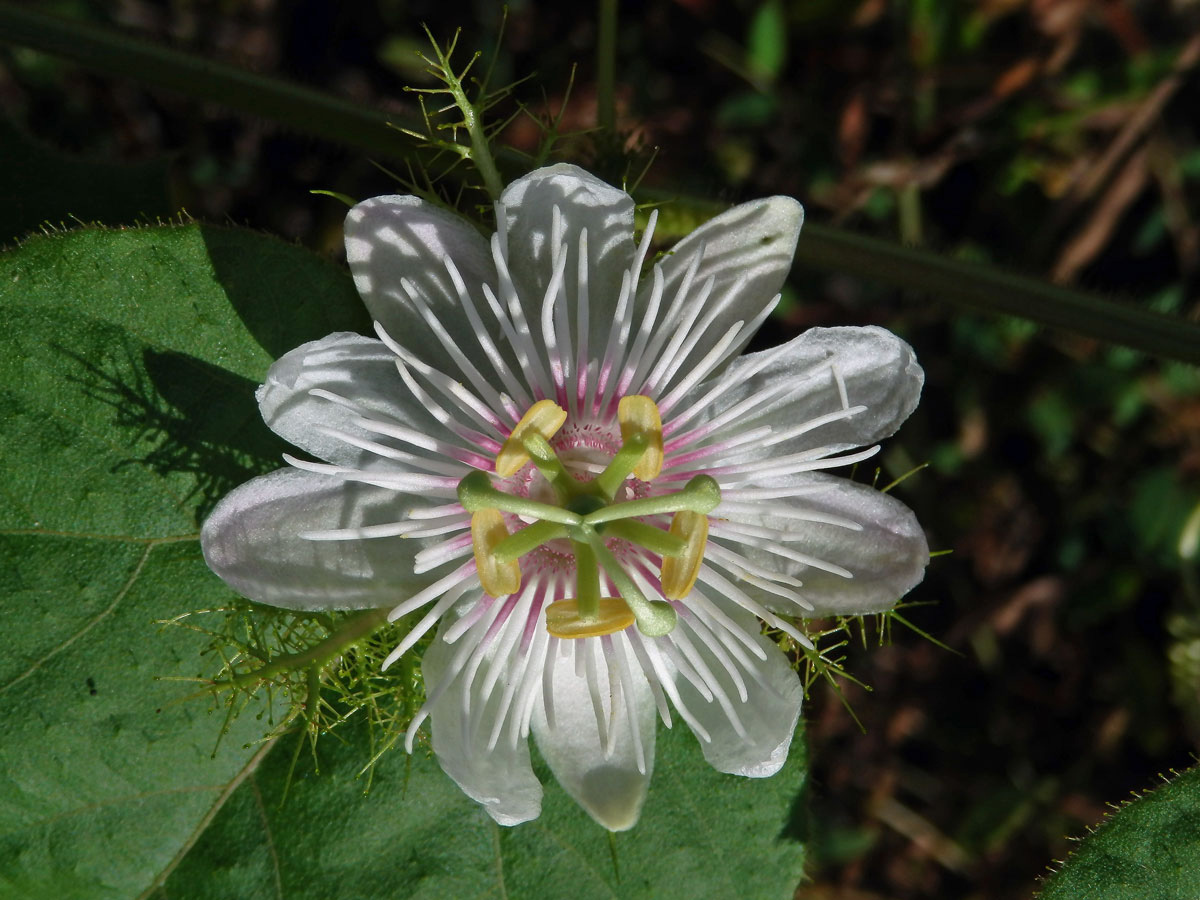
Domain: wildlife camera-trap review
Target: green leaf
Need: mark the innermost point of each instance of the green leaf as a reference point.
(129, 361)
(416, 835)
(1148, 850)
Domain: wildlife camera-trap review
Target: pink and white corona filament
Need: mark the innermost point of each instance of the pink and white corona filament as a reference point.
(553, 453)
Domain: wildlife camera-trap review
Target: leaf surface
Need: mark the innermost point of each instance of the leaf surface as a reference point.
(416, 835)
(129, 361)
(1148, 850)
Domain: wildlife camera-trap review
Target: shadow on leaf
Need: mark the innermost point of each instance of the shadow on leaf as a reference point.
(798, 826)
(281, 303)
(182, 415)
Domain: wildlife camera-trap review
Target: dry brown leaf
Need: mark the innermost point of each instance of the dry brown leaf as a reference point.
(1015, 78)
(1092, 237)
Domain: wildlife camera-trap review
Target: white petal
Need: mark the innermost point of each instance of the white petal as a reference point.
(610, 788)
(768, 715)
(876, 369)
(501, 779)
(748, 251)
(351, 366)
(886, 559)
(252, 541)
(584, 201)
(395, 238)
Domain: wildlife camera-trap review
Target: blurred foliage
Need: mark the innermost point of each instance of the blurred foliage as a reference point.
(1055, 137)
(41, 185)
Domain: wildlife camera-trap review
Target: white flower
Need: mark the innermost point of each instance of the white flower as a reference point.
(570, 382)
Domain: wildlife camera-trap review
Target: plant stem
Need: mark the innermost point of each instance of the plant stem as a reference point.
(990, 290)
(974, 286)
(481, 148)
(352, 630)
(302, 109)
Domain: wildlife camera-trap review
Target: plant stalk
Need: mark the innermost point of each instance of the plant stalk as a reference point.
(302, 109)
(352, 630)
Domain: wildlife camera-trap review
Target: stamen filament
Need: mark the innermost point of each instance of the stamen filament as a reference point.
(528, 539)
(623, 464)
(701, 494)
(544, 418)
(587, 614)
(543, 456)
(656, 540)
(587, 582)
(654, 618)
(475, 492)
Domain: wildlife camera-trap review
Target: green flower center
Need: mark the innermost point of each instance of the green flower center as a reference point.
(586, 513)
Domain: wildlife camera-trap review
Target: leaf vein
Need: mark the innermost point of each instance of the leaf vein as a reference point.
(203, 824)
(702, 819)
(95, 620)
(499, 861)
(572, 849)
(90, 536)
(131, 798)
(266, 823)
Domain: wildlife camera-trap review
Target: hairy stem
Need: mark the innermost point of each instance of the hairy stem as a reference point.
(352, 630)
(481, 148)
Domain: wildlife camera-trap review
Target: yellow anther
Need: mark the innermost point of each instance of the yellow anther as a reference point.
(563, 619)
(679, 572)
(545, 418)
(638, 415)
(488, 530)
